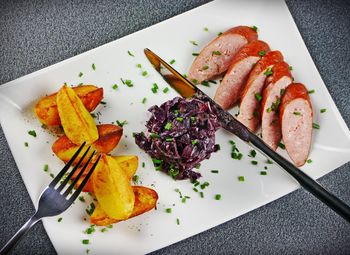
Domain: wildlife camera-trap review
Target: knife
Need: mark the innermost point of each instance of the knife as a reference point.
(186, 89)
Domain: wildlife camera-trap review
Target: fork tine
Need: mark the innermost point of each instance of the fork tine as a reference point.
(71, 186)
(64, 183)
(66, 167)
(86, 178)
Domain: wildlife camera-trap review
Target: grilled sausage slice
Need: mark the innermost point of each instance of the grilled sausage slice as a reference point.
(231, 87)
(216, 57)
(271, 98)
(250, 106)
(296, 122)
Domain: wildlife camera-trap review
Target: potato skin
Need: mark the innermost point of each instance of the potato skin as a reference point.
(46, 108)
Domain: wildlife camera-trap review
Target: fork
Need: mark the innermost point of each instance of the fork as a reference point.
(53, 200)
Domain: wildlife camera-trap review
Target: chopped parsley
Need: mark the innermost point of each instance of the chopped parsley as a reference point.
(255, 28)
(241, 178)
(217, 196)
(262, 53)
(130, 53)
(80, 74)
(323, 110)
(179, 119)
(194, 43)
(115, 86)
(172, 61)
(268, 71)
(194, 142)
(315, 126)
(165, 90)
(268, 110)
(154, 135)
(32, 133)
(121, 124)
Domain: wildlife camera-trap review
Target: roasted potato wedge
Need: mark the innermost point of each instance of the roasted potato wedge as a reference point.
(46, 108)
(77, 123)
(109, 137)
(145, 200)
(112, 189)
(129, 164)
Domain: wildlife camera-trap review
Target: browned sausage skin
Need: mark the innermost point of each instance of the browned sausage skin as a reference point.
(232, 85)
(271, 98)
(296, 122)
(215, 58)
(250, 105)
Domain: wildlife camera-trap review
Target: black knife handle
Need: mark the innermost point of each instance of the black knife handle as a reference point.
(305, 181)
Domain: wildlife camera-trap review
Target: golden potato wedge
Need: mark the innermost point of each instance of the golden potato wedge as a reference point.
(46, 108)
(129, 164)
(112, 189)
(77, 123)
(109, 137)
(145, 200)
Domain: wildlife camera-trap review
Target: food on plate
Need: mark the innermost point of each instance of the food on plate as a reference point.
(128, 163)
(232, 85)
(216, 57)
(296, 122)
(181, 133)
(145, 200)
(277, 82)
(250, 105)
(77, 123)
(46, 108)
(109, 137)
(112, 189)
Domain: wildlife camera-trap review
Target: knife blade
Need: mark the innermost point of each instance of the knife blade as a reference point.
(186, 89)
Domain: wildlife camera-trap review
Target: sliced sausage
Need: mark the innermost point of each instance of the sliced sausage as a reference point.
(250, 106)
(296, 122)
(216, 57)
(271, 98)
(232, 85)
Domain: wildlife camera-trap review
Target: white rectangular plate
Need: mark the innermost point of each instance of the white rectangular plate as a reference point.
(170, 39)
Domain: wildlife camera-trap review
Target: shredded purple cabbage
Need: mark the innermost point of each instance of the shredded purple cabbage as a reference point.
(181, 133)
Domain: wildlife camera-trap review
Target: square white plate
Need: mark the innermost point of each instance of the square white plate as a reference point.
(170, 39)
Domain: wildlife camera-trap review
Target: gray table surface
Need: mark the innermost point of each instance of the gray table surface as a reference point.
(35, 34)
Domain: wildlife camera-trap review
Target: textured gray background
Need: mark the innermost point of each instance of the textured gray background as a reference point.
(36, 34)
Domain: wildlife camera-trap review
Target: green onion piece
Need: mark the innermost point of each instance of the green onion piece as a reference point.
(80, 74)
(217, 147)
(205, 83)
(217, 197)
(282, 146)
(195, 54)
(297, 113)
(153, 135)
(258, 96)
(196, 190)
(52, 175)
(93, 66)
(241, 178)
(121, 124)
(129, 83)
(139, 66)
(268, 110)
(81, 198)
(130, 54)
(60, 219)
(254, 162)
(91, 210)
(268, 71)
(290, 68)
(263, 173)
(144, 73)
(220, 33)
(168, 126)
(86, 241)
(26, 144)
(265, 167)
(201, 194)
(110, 226)
(46, 168)
(309, 161)
(194, 43)
(323, 110)
(32, 133)
(311, 91)
(179, 119)
(169, 139)
(216, 52)
(157, 161)
(115, 86)
(205, 68)
(103, 102)
(90, 230)
(262, 53)
(168, 210)
(135, 179)
(194, 81)
(144, 100)
(177, 221)
(269, 161)
(282, 91)
(194, 142)
(206, 29)
(252, 153)
(104, 230)
(172, 61)
(215, 171)
(143, 164)
(155, 88)
(165, 90)
(255, 28)
(196, 183)
(315, 126)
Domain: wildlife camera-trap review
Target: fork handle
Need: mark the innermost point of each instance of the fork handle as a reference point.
(20, 233)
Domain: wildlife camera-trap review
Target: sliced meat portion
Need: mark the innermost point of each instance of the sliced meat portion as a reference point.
(250, 106)
(216, 57)
(278, 81)
(232, 85)
(296, 122)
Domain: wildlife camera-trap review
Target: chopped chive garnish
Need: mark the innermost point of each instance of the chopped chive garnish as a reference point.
(269, 110)
(215, 171)
(90, 230)
(91, 210)
(268, 71)
(195, 54)
(212, 81)
(281, 145)
(103, 102)
(52, 175)
(86, 241)
(81, 198)
(80, 74)
(135, 179)
(143, 164)
(87, 251)
(196, 183)
(216, 52)
(121, 124)
(262, 53)
(206, 29)
(205, 83)
(217, 197)
(315, 126)
(309, 161)
(93, 66)
(169, 139)
(157, 161)
(265, 167)
(297, 113)
(217, 147)
(168, 126)
(144, 73)
(144, 100)
(290, 68)
(205, 68)
(204, 185)
(32, 133)
(194, 43)
(168, 210)
(115, 86)
(255, 28)
(194, 142)
(194, 81)
(311, 91)
(177, 221)
(104, 230)
(46, 168)
(323, 110)
(252, 153)
(139, 66)
(179, 119)
(155, 88)
(201, 194)
(130, 53)
(165, 90)
(220, 33)
(128, 83)
(241, 178)
(110, 226)
(269, 161)
(195, 189)
(254, 162)
(263, 173)
(153, 135)
(26, 144)
(172, 61)
(60, 219)
(258, 96)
